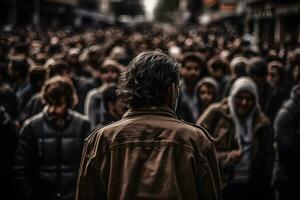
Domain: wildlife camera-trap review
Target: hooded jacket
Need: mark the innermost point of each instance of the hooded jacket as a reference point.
(210, 81)
(222, 122)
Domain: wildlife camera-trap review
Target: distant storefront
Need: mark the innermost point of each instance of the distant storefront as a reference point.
(276, 20)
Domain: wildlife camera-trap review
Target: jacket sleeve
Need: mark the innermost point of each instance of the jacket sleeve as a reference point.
(284, 129)
(93, 166)
(210, 183)
(25, 161)
(207, 118)
(92, 108)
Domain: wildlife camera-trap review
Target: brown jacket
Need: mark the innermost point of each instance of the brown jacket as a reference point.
(149, 154)
(218, 121)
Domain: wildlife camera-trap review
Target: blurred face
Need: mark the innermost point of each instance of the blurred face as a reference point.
(110, 74)
(244, 103)
(118, 108)
(217, 73)
(206, 94)
(274, 76)
(58, 111)
(190, 71)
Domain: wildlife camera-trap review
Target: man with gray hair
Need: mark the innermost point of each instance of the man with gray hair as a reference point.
(149, 153)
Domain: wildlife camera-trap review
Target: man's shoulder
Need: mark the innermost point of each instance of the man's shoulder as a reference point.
(34, 119)
(198, 129)
(79, 116)
(94, 93)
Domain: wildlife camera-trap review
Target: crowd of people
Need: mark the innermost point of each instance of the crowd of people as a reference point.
(58, 85)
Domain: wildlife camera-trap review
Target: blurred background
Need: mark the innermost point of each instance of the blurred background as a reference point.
(276, 20)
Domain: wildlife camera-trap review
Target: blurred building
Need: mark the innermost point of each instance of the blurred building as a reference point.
(65, 12)
(278, 20)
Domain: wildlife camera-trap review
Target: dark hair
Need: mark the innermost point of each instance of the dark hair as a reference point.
(59, 89)
(148, 76)
(109, 95)
(211, 84)
(58, 69)
(192, 56)
(20, 65)
(37, 76)
(258, 67)
(216, 63)
(279, 68)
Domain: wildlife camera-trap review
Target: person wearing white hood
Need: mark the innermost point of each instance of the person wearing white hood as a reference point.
(243, 142)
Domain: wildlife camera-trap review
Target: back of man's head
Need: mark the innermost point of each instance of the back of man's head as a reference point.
(258, 67)
(20, 66)
(148, 79)
(59, 68)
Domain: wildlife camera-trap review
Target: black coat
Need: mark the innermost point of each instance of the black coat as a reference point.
(8, 145)
(287, 138)
(47, 159)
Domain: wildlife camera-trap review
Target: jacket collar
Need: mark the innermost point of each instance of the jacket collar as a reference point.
(162, 110)
(65, 123)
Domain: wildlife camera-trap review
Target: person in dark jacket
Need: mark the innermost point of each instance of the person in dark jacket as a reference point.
(243, 142)
(37, 77)
(82, 85)
(149, 153)
(270, 98)
(18, 70)
(287, 142)
(50, 145)
(237, 69)
(8, 145)
(218, 69)
(110, 71)
(192, 70)
(8, 98)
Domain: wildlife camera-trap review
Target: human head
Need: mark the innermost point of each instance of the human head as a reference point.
(217, 67)
(192, 68)
(113, 104)
(119, 54)
(258, 70)
(151, 79)
(73, 55)
(18, 68)
(59, 68)
(243, 97)
(207, 91)
(276, 73)
(110, 71)
(238, 67)
(58, 91)
(37, 76)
